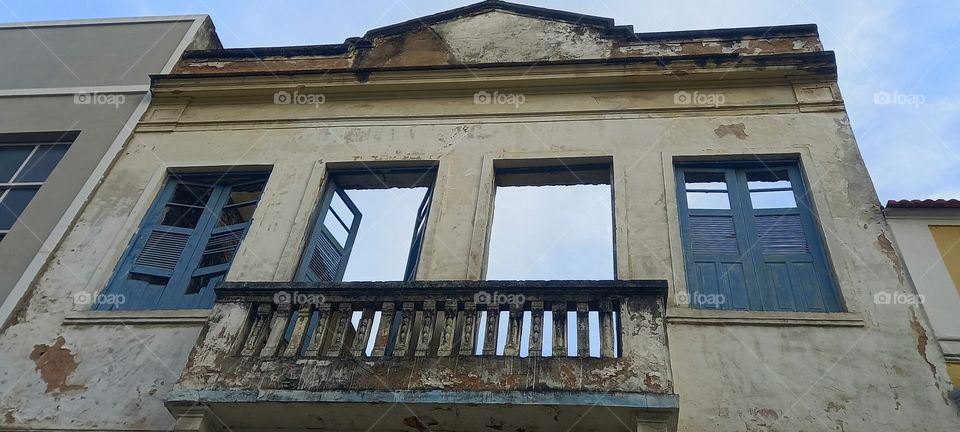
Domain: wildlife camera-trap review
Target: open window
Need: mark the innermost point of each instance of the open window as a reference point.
(370, 225)
(552, 220)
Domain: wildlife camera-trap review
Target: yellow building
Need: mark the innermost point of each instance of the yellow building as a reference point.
(928, 237)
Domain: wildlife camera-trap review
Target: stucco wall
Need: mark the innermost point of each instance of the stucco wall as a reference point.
(873, 368)
(120, 53)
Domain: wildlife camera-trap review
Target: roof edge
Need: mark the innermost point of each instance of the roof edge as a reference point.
(103, 21)
(827, 57)
(924, 204)
(357, 42)
(760, 31)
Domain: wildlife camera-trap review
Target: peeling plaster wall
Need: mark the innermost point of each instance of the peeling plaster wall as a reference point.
(523, 39)
(885, 375)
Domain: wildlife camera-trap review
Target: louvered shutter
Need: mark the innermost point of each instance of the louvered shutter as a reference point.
(715, 248)
(171, 229)
(334, 232)
(184, 248)
(763, 252)
(419, 232)
(791, 263)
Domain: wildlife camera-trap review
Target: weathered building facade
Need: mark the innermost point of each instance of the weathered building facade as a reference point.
(749, 244)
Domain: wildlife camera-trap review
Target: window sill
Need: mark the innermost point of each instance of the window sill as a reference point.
(138, 317)
(685, 315)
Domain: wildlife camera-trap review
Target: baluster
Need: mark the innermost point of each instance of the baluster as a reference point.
(258, 331)
(341, 322)
(278, 326)
(449, 320)
(514, 327)
(383, 333)
(469, 334)
(583, 330)
(406, 327)
(428, 325)
(606, 329)
(363, 333)
(559, 329)
(493, 328)
(299, 331)
(321, 333)
(536, 329)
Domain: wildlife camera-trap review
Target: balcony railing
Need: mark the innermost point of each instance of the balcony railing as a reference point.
(477, 344)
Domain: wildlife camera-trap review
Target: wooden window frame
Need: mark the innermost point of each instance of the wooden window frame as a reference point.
(187, 265)
(761, 294)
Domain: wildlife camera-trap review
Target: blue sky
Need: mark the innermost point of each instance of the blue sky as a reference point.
(906, 49)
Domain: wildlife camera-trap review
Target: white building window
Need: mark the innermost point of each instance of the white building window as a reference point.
(24, 167)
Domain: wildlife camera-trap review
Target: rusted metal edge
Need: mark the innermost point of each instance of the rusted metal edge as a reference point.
(569, 398)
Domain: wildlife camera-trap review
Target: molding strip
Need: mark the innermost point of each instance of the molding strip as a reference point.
(165, 317)
(70, 91)
(684, 315)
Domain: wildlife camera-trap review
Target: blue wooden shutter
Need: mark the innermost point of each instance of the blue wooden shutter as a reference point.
(225, 226)
(419, 232)
(762, 253)
(791, 262)
(331, 240)
(183, 247)
(716, 250)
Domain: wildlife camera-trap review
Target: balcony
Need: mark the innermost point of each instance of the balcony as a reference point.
(431, 355)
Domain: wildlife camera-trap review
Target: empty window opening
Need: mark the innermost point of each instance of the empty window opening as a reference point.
(552, 223)
(370, 226)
